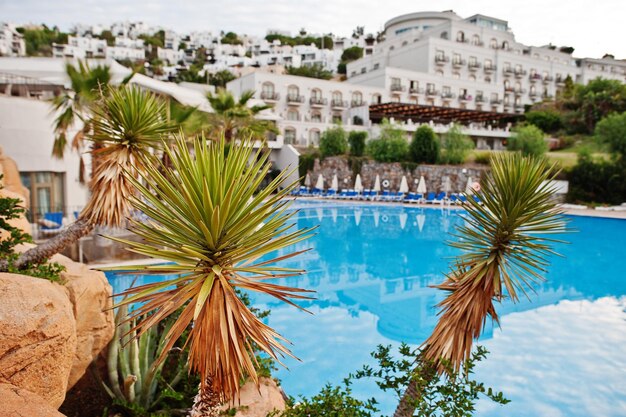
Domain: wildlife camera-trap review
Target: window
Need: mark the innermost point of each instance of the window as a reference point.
(475, 40)
(507, 85)
(293, 93)
(505, 45)
(376, 99)
(446, 90)
(337, 97)
(267, 91)
(290, 135)
(316, 117)
(395, 83)
(316, 94)
(456, 59)
(357, 98)
(314, 137)
(439, 73)
(472, 78)
(488, 64)
(337, 118)
(493, 43)
(47, 193)
(439, 55)
(444, 35)
(456, 75)
(487, 79)
(518, 87)
(430, 88)
(293, 115)
(472, 61)
(460, 36)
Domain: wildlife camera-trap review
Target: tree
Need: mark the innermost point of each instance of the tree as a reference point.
(592, 102)
(455, 146)
(127, 125)
(357, 140)
(310, 71)
(612, 131)
(505, 245)
(209, 222)
(231, 38)
(75, 104)
(235, 119)
(529, 140)
(548, 120)
(221, 78)
(425, 146)
(352, 54)
(391, 146)
(333, 142)
(39, 41)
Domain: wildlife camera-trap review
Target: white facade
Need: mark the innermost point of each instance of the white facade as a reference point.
(170, 56)
(120, 53)
(80, 47)
(11, 41)
(440, 59)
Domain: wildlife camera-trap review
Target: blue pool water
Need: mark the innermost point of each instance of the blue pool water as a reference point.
(563, 353)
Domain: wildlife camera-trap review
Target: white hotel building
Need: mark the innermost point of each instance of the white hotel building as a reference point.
(433, 67)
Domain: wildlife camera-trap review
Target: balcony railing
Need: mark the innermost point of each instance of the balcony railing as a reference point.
(509, 89)
(338, 103)
(432, 92)
(295, 99)
(473, 66)
(508, 71)
(519, 73)
(397, 87)
(318, 101)
(548, 78)
(534, 77)
(458, 63)
(480, 99)
(416, 90)
(533, 94)
(496, 101)
(560, 80)
(519, 91)
(269, 96)
(357, 103)
(490, 68)
(447, 96)
(465, 97)
(441, 59)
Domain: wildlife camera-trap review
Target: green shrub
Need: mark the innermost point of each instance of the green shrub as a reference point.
(596, 181)
(483, 158)
(357, 143)
(306, 163)
(547, 120)
(612, 131)
(333, 142)
(425, 146)
(391, 146)
(529, 140)
(455, 146)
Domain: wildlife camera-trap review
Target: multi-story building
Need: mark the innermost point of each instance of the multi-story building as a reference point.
(11, 41)
(440, 59)
(80, 47)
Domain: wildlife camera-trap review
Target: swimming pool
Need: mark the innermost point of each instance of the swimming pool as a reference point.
(563, 353)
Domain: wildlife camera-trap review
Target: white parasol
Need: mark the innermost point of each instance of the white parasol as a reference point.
(421, 186)
(335, 183)
(358, 185)
(320, 182)
(404, 186)
(377, 184)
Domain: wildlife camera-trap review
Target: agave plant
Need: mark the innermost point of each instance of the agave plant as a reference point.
(506, 244)
(208, 221)
(128, 124)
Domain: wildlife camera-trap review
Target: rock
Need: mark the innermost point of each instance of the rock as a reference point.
(259, 401)
(11, 180)
(37, 336)
(18, 402)
(90, 295)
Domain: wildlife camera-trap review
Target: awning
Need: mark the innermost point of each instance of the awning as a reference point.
(423, 113)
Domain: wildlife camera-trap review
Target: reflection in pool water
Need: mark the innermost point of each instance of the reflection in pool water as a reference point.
(559, 354)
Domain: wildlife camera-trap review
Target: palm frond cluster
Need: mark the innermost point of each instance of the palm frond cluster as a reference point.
(506, 243)
(128, 125)
(207, 219)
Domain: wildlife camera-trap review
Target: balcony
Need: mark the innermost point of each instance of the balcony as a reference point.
(441, 59)
(520, 73)
(489, 69)
(464, 98)
(458, 63)
(509, 90)
(533, 95)
(560, 81)
(534, 77)
(520, 91)
(496, 101)
(357, 103)
(397, 87)
(480, 99)
(519, 106)
(269, 96)
(447, 96)
(508, 72)
(432, 93)
(416, 90)
(473, 66)
(317, 102)
(338, 104)
(295, 99)
(547, 79)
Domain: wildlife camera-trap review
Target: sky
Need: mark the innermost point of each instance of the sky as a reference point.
(593, 28)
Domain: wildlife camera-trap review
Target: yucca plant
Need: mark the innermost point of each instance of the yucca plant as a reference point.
(128, 124)
(506, 242)
(206, 218)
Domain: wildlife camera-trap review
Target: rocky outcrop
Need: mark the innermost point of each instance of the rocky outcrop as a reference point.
(18, 402)
(90, 295)
(11, 178)
(37, 336)
(260, 401)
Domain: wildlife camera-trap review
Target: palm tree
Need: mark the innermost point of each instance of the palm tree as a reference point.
(234, 119)
(74, 104)
(206, 219)
(505, 248)
(127, 124)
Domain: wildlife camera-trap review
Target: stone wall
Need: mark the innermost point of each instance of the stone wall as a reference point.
(434, 175)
